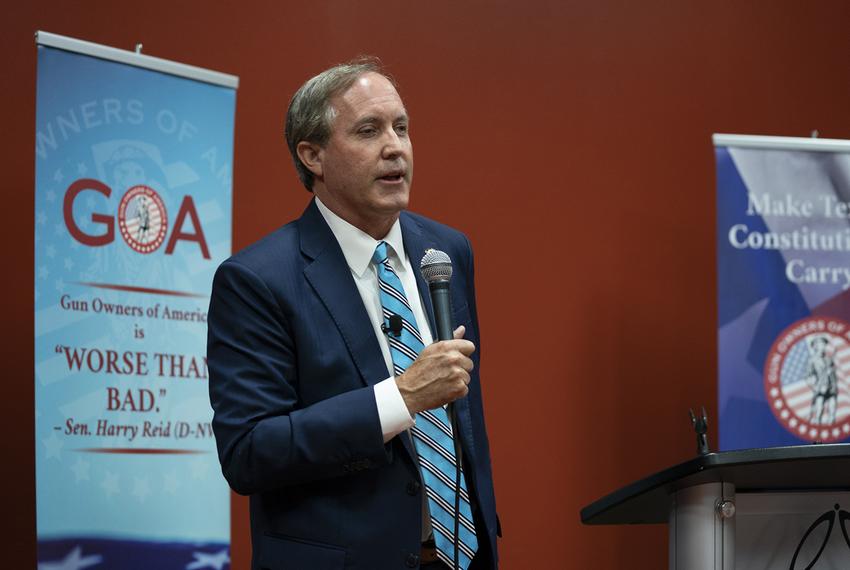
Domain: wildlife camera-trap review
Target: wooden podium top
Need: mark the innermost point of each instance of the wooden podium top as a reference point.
(824, 467)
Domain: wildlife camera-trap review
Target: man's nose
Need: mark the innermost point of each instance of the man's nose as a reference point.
(393, 145)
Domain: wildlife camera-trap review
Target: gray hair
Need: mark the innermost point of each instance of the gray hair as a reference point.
(310, 113)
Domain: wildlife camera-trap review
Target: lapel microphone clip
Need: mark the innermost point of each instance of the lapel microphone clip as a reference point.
(394, 327)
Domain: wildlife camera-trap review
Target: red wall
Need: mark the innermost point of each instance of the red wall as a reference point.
(569, 140)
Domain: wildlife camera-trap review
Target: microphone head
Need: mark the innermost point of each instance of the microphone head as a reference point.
(436, 266)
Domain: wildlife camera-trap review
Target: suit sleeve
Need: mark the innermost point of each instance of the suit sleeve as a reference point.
(265, 438)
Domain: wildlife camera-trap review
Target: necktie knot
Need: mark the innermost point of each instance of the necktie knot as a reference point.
(380, 254)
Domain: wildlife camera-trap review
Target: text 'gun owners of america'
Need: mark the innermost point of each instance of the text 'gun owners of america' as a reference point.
(330, 394)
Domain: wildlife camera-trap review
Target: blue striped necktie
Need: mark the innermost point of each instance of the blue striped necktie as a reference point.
(432, 434)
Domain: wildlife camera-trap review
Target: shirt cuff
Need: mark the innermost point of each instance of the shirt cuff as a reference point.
(392, 411)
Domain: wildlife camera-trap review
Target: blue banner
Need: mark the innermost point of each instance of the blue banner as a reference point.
(132, 217)
(783, 261)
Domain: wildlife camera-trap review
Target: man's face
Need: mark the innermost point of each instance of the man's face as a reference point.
(367, 164)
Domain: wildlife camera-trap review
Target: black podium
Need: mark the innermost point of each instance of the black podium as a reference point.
(785, 507)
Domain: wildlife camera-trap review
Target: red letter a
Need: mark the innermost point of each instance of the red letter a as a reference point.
(187, 207)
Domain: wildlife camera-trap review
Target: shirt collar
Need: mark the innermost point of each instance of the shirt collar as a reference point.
(358, 246)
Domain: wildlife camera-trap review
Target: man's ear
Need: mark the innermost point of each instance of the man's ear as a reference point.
(311, 156)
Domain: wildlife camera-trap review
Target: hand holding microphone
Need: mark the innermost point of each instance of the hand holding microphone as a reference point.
(439, 375)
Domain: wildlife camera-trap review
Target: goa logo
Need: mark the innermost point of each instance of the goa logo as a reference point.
(142, 219)
(807, 379)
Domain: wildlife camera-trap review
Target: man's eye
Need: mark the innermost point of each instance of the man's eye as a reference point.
(401, 129)
(367, 131)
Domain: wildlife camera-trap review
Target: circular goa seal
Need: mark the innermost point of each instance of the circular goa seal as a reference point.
(142, 219)
(807, 379)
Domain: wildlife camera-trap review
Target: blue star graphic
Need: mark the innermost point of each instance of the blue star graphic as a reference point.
(204, 560)
(73, 561)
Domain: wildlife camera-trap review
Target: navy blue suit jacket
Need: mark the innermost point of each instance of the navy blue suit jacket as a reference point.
(292, 359)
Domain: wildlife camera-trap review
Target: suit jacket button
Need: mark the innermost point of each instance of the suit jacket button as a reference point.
(413, 487)
(412, 560)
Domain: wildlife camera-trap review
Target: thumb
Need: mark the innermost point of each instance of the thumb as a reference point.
(459, 332)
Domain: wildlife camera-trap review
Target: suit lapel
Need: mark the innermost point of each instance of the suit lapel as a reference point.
(416, 241)
(331, 279)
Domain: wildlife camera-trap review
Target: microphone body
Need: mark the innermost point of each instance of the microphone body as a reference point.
(442, 302)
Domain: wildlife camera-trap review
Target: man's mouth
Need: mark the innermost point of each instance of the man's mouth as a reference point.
(394, 176)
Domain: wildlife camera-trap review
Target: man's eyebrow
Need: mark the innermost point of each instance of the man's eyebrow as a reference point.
(376, 119)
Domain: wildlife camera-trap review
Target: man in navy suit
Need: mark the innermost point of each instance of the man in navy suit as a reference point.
(310, 420)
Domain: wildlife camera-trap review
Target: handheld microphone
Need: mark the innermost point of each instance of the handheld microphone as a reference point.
(436, 268)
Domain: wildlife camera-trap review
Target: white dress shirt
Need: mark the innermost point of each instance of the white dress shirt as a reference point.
(358, 248)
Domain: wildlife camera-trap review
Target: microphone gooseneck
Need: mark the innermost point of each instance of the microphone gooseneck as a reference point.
(436, 268)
